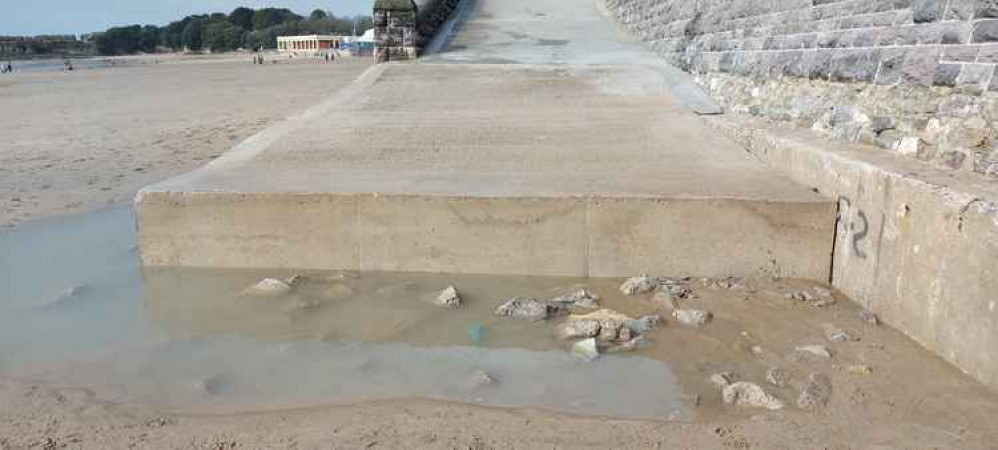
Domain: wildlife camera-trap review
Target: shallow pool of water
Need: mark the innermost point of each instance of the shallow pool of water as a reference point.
(76, 309)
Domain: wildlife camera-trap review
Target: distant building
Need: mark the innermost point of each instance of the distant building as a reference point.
(359, 45)
(311, 43)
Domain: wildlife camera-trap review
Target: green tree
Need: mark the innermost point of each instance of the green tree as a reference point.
(318, 15)
(242, 17)
(268, 17)
(191, 37)
(223, 36)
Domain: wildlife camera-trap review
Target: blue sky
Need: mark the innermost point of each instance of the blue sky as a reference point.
(31, 17)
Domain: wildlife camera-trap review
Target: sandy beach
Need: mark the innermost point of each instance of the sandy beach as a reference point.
(75, 141)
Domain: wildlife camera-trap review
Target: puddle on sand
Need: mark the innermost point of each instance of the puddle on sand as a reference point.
(77, 310)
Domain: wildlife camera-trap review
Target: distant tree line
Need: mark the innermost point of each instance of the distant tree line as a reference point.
(23, 46)
(242, 28)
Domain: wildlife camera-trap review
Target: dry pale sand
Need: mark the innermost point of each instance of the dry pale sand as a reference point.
(75, 141)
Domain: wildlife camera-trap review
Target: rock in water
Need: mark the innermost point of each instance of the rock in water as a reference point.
(575, 329)
(750, 395)
(692, 317)
(722, 379)
(628, 346)
(580, 299)
(777, 377)
(644, 324)
(448, 298)
(586, 349)
(638, 285)
(526, 308)
(269, 288)
(816, 392)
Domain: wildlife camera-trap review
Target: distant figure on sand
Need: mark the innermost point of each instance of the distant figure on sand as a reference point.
(69, 65)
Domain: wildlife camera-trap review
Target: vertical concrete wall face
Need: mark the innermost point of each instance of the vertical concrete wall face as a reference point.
(914, 77)
(921, 252)
(402, 27)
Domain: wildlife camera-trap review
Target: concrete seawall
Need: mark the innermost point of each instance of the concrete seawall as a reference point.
(915, 244)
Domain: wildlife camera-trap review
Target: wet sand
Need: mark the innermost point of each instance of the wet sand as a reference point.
(76, 141)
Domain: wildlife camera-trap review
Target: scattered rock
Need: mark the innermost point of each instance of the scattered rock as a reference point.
(869, 317)
(750, 395)
(722, 379)
(580, 299)
(448, 298)
(820, 298)
(839, 335)
(809, 352)
(582, 328)
(858, 369)
(727, 283)
(269, 288)
(644, 324)
(816, 392)
(638, 285)
(527, 308)
(628, 346)
(757, 350)
(482, 379)
(692, 317)
(777, 377)
(586, 349)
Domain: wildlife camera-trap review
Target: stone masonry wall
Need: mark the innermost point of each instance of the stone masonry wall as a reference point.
(916, 77)
(403, 27)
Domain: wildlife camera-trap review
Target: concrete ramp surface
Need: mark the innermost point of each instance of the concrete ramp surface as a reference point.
(497, 156)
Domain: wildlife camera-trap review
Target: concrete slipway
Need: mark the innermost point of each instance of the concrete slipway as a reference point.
(540, 141)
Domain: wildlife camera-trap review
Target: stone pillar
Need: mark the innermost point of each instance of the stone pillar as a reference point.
(395, 34)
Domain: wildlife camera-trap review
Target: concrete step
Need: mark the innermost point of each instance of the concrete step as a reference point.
(506, 169)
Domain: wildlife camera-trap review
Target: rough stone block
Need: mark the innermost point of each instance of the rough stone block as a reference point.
(855, 65)
(960, 53)
(986, 9)
(928, 10)
(975, 77)
(920, 66)
(987, 53)
(891, 66)
(986, 31)
(946, 75)
(960, 10)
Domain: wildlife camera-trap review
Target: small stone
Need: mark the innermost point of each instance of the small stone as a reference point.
(757, 350)
(580, 299)
(805, 352)
(722, 379)
(858, 369)
(638, 285)
(526, 308)
(482, 379)
(802, 296)
(448, 299)
(628, 346)
(692, 317)
(816, 392)
(586, 349)
(609, 330)
(269, 288)
(777, 377)
(750, 395)
(840, 335)
(823, 297)
(575, 329)
(644, 324)
(869, 317)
